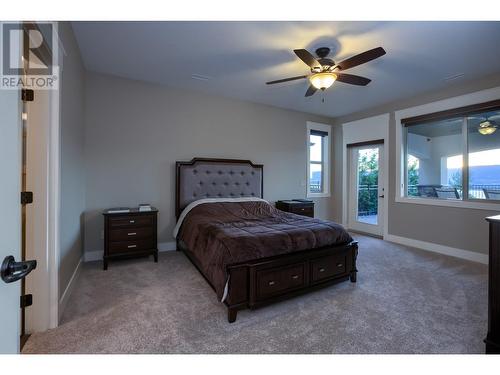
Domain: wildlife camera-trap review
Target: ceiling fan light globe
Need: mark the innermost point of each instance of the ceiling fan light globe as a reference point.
(487, 131)
(323, 80)
(486, 128)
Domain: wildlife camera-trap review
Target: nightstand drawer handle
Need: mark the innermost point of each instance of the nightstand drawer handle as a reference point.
(131, 246)
(271, 283)
(339, 265)
(132, 221)
(132, 234)
(321, 270)
(295, 277)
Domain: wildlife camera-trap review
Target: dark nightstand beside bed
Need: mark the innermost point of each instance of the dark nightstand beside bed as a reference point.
(130, 234)
(493, 337)
(300, 207)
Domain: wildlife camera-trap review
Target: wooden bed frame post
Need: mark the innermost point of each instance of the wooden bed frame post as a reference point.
(231, 314)
(354, 270)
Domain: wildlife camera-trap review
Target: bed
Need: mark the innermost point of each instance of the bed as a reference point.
(249, 252)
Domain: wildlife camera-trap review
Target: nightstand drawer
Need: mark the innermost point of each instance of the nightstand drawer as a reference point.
(131, 246)
(130, 234)
(130, 221)
(298, 207)
(303, 210)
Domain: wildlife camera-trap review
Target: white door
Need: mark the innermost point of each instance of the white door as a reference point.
(10, 217)
(365, 189)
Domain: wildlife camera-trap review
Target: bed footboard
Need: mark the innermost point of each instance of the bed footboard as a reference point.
(265, 281)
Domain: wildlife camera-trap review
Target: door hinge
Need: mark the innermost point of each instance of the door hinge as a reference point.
(26, 300)
(28, 95)
(26, 197)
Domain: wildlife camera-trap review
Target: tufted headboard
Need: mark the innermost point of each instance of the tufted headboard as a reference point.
(216, 178)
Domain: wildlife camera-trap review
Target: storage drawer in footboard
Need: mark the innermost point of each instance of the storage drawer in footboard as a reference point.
(330, 266)
(272, 282)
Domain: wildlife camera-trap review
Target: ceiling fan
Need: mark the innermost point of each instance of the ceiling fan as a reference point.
(487, 125)
(325, 71)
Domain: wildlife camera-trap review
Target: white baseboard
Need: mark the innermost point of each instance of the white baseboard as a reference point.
(63, 301)
(91, 256)
(441, 249)
(167, 246)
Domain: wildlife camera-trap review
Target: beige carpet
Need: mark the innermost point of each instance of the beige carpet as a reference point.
(405, 301)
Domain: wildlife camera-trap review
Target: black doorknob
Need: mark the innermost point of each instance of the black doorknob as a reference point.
(11, 270)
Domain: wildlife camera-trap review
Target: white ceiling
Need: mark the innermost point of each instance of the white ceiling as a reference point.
(239, 57)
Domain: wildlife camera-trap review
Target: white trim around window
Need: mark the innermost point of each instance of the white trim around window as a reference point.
(326, 158)
(442, 105)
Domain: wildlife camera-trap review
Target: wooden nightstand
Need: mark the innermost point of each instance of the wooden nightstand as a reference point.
(130, 234)
(299, 207)
(492, 339)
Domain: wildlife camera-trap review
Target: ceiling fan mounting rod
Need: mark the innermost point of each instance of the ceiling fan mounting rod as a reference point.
(322, 52)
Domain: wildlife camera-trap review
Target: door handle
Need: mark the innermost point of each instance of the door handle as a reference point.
(11, 270)
(381, 196)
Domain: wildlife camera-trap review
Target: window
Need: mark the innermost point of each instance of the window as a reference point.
(453, 155)
(318, 152)
(483, 157)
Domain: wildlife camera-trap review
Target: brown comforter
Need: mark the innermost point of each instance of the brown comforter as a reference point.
(225, 233)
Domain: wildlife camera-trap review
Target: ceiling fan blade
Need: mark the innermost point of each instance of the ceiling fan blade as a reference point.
(352, 79)
(311, 90)
(306, 57)
(361, 58)
(285, 80)
(484, 118)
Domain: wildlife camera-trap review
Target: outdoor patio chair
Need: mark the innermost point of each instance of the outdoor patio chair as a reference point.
(447, 193)
(427, 191)
(492, 194)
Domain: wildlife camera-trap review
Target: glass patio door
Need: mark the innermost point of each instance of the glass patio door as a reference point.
(365, 189)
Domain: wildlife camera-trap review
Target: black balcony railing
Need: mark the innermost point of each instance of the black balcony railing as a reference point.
(368, 195)
(476, 191)
(315, 187)
(367, 200)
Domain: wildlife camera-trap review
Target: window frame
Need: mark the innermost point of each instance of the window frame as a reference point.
(457, 106)
(325, 160)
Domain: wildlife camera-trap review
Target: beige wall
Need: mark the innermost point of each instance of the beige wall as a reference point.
(72, 157)
(134, 133)
(455, 227)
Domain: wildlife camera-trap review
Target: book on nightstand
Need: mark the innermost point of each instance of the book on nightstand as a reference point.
(143, 207)
(118, 210)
